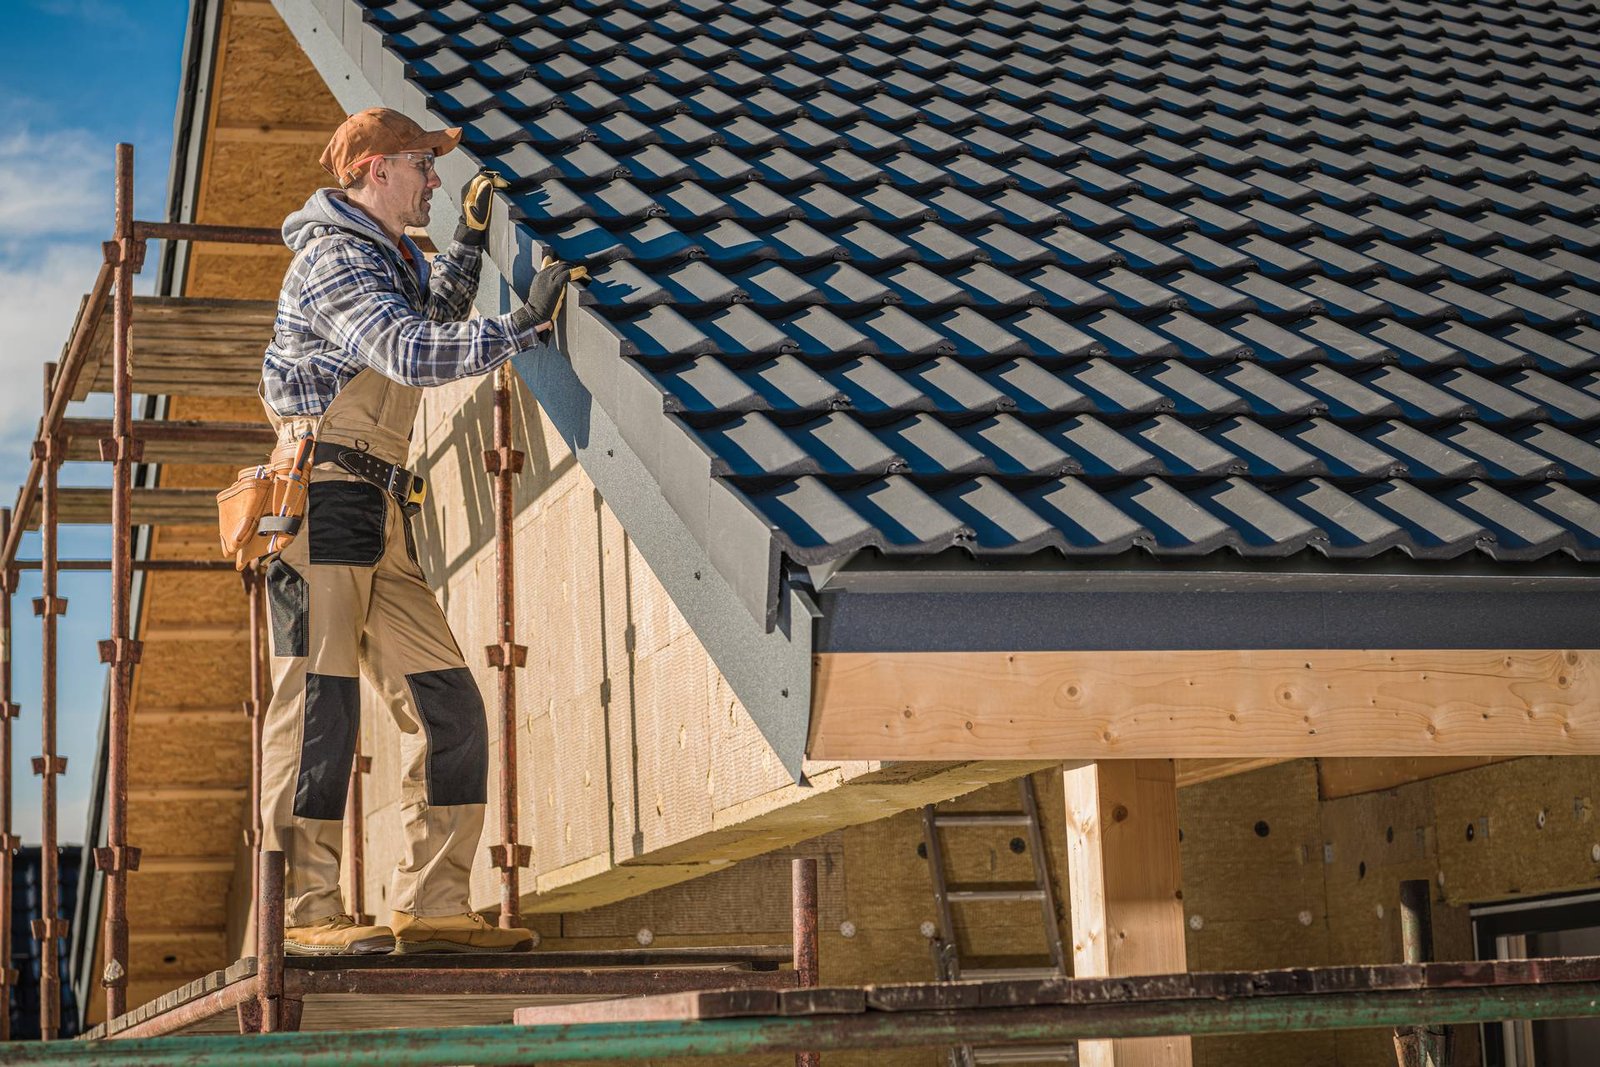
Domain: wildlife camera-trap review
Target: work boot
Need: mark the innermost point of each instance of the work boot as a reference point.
(337, 935)
(456, 933)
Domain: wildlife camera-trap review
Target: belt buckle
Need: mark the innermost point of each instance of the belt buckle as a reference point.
(391, 482)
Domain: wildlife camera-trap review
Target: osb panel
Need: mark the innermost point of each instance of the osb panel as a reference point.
(185, 599)
(264, 81)
(177, 674)
(172, 960)
(219, 271)
(194, 827)
(257, 176)
(167, 899)
(192, 754)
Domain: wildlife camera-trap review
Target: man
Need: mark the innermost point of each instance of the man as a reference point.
(363, 323)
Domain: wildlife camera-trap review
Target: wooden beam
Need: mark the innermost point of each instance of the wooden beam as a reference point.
(1205, 705)
(1195, 771)
(1342, 777)
(1124, 890)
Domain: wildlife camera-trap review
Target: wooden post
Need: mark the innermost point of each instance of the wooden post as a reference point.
(1124, 889)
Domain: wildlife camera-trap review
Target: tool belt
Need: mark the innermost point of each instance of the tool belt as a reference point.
(409, 490)
(262, 511)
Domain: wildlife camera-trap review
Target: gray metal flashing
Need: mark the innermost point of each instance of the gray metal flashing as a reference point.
(189, 135)
(612, 418)
(1146, 621)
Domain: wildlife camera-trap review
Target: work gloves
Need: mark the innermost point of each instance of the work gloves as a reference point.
(477, 197)
(545, 294)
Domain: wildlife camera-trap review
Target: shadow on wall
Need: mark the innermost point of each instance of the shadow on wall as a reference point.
(448, 561)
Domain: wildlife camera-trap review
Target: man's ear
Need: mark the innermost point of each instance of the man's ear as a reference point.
(378, 171)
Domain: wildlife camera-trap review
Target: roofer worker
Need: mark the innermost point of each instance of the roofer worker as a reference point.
(364, 323)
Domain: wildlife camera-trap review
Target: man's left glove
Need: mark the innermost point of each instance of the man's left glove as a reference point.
(477, 198)
(549, 288)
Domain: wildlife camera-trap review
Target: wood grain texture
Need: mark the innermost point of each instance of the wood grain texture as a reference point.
(1205, 705)
(1346, 777)
(1124, 889)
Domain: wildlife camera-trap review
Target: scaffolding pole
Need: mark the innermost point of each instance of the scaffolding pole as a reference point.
(121, 652)
(504, 463)
(355, 834)
(48, 765)
(8, 841)
(659, 1039)
(255, 709)
(120, 444)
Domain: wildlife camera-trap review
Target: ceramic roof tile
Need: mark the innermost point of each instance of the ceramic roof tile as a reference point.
(1086, 277)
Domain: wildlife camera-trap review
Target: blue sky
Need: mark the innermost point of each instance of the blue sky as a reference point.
(80, 76)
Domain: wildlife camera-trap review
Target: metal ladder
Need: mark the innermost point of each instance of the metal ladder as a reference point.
(946, 946)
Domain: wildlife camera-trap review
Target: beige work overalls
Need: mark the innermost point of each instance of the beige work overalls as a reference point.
(348, 600)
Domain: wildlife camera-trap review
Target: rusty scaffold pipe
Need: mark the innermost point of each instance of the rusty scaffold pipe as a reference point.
(355, 834)
(121, 652)
(255, 710)
(9, 842)
(49, 928)
(505, 463)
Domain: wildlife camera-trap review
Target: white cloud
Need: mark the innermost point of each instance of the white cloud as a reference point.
(57, 183)
(39, 299)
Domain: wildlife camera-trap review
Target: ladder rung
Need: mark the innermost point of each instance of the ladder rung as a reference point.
(1024, 1054)
(1008, 893)
(980, 818)
(1003, 974)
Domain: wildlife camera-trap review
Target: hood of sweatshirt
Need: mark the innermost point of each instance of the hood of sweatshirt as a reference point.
(326, 211)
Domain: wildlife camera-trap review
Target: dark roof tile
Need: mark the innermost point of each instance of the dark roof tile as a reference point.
(1092, 276)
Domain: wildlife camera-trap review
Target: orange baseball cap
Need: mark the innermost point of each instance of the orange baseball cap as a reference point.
(378, 131)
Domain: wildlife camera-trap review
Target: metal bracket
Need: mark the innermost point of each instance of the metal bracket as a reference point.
(363, 764)
(110, 453)
(52, 928)
(43, 450)
(55, 605)
(498, 857)
(130, 651)
(56, 765)
(9, 976)
(505, 655)
(9, 710)
(251, 708)
(112, 251)
(116, 858)
(10, 842)
(136, 247)
(507, 459)
(251, 838)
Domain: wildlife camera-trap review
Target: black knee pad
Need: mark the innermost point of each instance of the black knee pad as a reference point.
(451, 709)
(328, 746)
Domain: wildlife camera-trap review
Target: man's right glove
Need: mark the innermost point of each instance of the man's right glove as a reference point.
(477, 198)
(547, 291)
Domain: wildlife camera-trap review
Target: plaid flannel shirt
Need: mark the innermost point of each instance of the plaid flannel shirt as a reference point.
(350, 300)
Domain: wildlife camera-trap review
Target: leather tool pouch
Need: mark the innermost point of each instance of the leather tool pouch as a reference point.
(262, 511)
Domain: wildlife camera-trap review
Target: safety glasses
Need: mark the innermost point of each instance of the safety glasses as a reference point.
(423, 161)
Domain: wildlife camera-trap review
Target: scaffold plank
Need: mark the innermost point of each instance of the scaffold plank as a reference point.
(177, 441)
(184, 346)
(147, 507)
